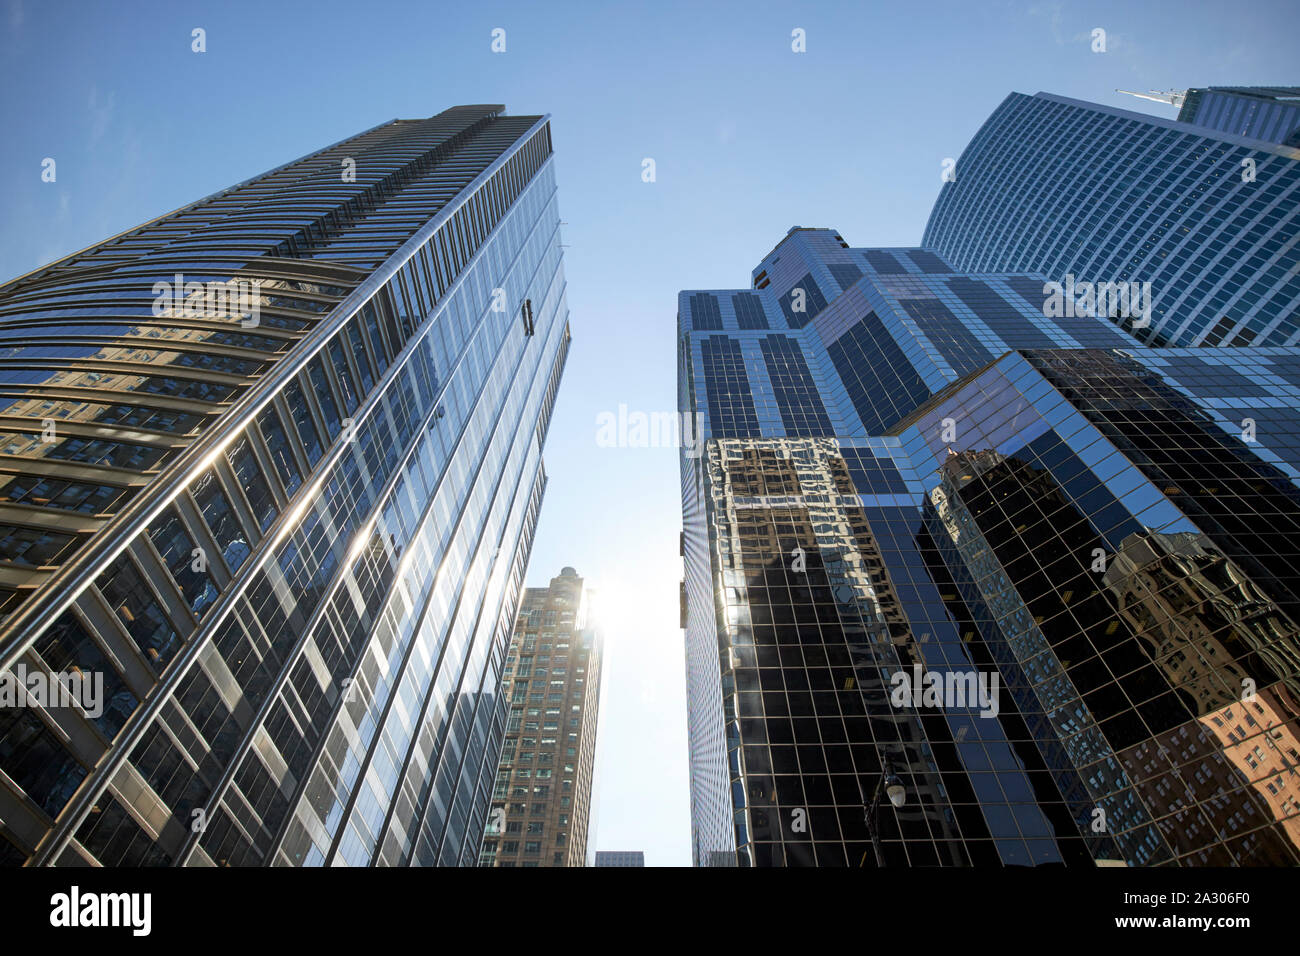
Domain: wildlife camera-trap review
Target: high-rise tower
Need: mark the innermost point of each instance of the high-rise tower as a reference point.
(541, 803)
(269, 473)
(973, 579)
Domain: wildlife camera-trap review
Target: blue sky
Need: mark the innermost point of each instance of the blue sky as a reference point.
(748, 137)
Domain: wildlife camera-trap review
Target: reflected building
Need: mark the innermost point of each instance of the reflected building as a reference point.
(541, 802)
(907, 471)
(270, 466)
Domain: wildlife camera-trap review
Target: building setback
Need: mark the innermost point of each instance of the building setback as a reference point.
(270, 467)
(541, 803)
(945, 543)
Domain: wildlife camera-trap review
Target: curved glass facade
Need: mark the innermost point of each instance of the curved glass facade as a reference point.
(1061, 188)
(271, 474)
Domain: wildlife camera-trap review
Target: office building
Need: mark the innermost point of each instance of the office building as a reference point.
(1010, 566)
(541, 803)
(270, 467)
(1079, 192)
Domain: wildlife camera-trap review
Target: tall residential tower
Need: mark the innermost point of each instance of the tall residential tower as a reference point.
(269, 471)
(541, 804)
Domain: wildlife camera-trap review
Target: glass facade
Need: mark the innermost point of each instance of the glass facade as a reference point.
(1035, 570)
(288, 533)
(1270, 113)
(1204, 214)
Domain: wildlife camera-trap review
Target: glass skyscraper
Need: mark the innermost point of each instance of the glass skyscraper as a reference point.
(270, 467)
(1007, 562)
(1204, 214)
(541, 802)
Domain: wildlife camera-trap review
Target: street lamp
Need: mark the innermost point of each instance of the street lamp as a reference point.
(890, 785)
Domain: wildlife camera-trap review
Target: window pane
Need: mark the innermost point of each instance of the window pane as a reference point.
(221, 520)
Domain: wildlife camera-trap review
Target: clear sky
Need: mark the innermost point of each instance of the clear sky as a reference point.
(748, 137)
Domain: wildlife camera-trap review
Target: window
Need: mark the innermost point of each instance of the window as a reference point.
(749, 311)
(221, 520)
(66, 647)
(137, 608)
(277, 443)
(65, 495)
(32, 547)
(33, 757)
(359, 353)
(339, 360)
(249, 475)
(186, 563)
(803, 302)
(320, 384)
(705, 314)
(301, 412)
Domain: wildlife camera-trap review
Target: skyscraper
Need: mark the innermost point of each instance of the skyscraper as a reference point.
(541, 803)
(271, 469)
(1204, 214)
(974, 580)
